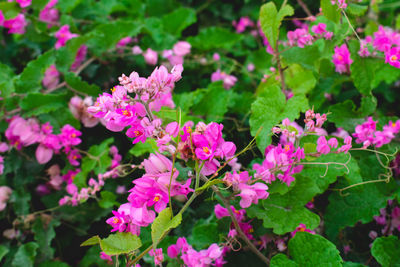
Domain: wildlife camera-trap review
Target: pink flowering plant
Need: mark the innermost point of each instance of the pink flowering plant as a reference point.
(208, 133)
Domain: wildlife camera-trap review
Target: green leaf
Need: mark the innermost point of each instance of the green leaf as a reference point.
(6, 80)
(139, 149)
(280, 260)
(44, 234)
(270, 108)
(9, 10)
(25, 255)
(36, 103)
(19, 198)
(79, 85)
(359, 203)
(362, 73)
(345, 115)
(204, 234)
(92, 258)
(301, 81)
(120, 243)
(106, 36)
(386, 250)
(385, 73)
(53, 264)
(108, 199)
(271, 19)
(178, 20)
(356, 10)
(214, 37)
(313, 250)
(308, 57)
(94, 240)
(31, 77)
(67, 6)
(331, 12)
(3, 251)
(214, 103)
(162, 224)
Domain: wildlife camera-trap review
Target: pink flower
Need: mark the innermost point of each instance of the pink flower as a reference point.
(136, 50)
(158, 256)
(340, 3)
(322, 145)
(63, 35)
(252, 193)
(24, 3)
(243, 23)
(105, 257)
(342, 59)
(118, 222)
(319, 29)
(228, 80)
(363, 52)
(150, 56)
(70, 136)
(181, 48)
(5, 193)
(49, 14)
(299, 37)
(1, 18)
(123, 42)
(51, 77)
(16, 25)
(301, 228)
(80, 57)
(392, 57)
(216, 57)
(43, 154)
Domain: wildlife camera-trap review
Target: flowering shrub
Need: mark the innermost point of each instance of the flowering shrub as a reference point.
(139, 133)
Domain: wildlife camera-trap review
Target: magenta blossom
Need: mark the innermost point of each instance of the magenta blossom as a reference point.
(49, 14)
(228, 80)
(51, 77)
(342, 59)
(301, 228)
(150, 56)
(16, 25)
(63, 35)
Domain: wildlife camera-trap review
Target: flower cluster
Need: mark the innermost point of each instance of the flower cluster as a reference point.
(228, 80)
(301, 36)
(120, 110)
(207, 144)
(22, 133)
(14, 25)
(280, 163)
(342, 59)
(150, 191)
(63, 35)
(49, 14)
(193, 258)
(367, 134)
